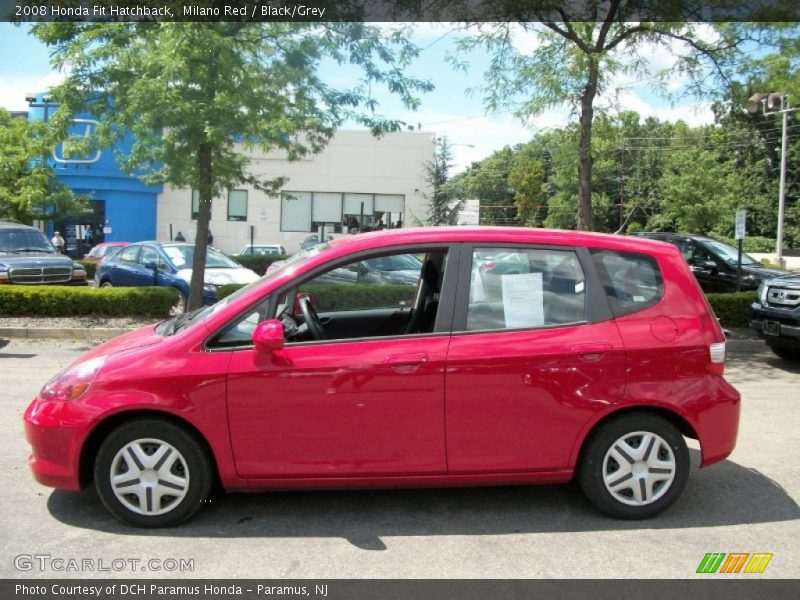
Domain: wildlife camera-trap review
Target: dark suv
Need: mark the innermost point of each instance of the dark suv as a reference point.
(714, 263)
(27, 257)
(775, 315)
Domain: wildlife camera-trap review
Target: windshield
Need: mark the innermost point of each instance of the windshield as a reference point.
(728, 253)
(21, 240)
(182, 256)
(183, 321)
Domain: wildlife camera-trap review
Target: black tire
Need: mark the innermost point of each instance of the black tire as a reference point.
(192, 460)
(593, 466)
(787, 353)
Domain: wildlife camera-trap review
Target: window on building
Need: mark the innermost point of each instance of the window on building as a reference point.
(237, 205)
(195, 204)
(340, 212)
(296, 211)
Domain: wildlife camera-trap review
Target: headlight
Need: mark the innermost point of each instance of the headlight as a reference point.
(210, 287)
(761, 294)
(72, 383)
(4, 276)
(79, 273)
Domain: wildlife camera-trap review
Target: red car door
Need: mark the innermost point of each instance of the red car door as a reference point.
(366, 401)
(526, 367)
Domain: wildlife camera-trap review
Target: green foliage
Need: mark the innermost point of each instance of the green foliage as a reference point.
(732, 310)
(348, 297)
(195, 95)
(227, 289)
(487, 181)
(443, 208)
(526, 179)
(64, 301)
(258, 262)
(752, 243)
(90, 266)
(28, 189)
(577, 58)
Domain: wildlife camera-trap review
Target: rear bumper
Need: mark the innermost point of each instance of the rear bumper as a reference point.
(56, 433)
(717, 424)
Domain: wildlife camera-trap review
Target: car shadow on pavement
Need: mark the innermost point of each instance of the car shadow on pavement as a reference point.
(758, 366)
(727, 494)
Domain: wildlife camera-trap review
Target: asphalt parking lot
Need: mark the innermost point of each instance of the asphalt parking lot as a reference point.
(748, 503)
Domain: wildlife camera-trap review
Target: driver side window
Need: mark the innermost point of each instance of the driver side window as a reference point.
(380, 296)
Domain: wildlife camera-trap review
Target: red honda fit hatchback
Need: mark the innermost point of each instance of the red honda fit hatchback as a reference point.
(465, 356)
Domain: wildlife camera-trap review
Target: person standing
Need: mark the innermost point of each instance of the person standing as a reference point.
(210, 238)
(58, 242)
(179, 237)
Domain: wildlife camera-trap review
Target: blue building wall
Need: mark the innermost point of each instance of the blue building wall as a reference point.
(130, 205)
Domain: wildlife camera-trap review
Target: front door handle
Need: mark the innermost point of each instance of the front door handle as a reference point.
(592, 352)
(398, 360)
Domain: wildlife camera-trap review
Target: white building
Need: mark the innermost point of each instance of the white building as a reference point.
(357, 180)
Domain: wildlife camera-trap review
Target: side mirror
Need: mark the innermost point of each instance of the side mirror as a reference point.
(268, 336)
(151, 265)
(707, 265)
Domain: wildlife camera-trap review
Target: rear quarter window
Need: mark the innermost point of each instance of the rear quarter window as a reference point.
(632, 281)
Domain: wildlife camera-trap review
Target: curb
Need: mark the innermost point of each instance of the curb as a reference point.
(53, 333)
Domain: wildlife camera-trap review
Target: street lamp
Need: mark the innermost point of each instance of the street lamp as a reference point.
(776, 103)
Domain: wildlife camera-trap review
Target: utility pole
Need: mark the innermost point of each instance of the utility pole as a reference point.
(776, 103)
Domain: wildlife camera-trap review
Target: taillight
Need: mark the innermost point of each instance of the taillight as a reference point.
(717, 355)
(489, 265)
(72, 383)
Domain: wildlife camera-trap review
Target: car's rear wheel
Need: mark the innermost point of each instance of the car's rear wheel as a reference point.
(106, 284)
(787, 353)
(152, 473)
(634, 466)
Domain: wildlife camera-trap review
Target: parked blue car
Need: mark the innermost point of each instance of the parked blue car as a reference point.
(169, 264)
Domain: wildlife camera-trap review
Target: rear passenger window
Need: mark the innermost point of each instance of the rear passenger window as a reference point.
(513, 288)
(632, 281)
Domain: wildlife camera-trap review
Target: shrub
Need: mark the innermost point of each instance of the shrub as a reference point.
(732, 310)
(348, 297)
(65, 301)
(259, 262)
(227, 289)
(752, 243)
(90, 267)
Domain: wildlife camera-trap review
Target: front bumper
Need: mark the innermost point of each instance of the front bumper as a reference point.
(775, 329)
(56, 432)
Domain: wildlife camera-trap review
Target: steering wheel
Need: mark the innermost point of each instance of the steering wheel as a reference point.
(311, 318)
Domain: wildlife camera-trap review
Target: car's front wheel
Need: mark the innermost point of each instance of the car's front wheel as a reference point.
(152, 473)
(634, 466)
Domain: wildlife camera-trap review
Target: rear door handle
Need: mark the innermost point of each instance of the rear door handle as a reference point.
(592, 352)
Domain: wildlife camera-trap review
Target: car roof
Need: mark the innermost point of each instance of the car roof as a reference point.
(10, 225)
(494, 235)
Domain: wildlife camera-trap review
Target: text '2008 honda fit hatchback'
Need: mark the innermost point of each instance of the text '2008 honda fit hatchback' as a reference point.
(515, 356)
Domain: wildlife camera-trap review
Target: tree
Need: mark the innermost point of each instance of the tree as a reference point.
(487, 182)
(580, 48)
(527, 180)
(443, 207)
(28, 188)
(197, 96)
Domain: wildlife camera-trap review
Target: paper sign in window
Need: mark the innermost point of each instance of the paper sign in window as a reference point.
(523, 300)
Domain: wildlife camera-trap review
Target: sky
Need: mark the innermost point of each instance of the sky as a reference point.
(448, 110)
